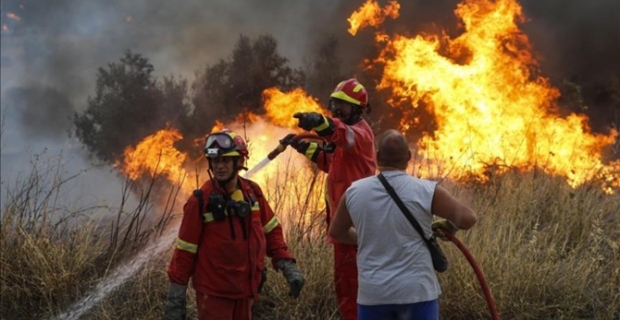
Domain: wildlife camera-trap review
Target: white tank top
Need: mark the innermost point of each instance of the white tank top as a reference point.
(394, 264)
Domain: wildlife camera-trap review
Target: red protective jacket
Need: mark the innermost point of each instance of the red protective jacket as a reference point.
(353, 159)
(218, 264)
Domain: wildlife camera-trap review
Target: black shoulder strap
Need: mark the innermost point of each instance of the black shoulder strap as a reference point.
(201, 202)
(254, 187)
(401, 205)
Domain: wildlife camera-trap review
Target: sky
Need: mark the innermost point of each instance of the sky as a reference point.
(51, 50)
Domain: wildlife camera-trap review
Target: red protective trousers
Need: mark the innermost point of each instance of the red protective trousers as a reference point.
(345, 279)
(217, 308)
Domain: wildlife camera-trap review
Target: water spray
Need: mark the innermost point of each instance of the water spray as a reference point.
(276, 152)
(118, 277)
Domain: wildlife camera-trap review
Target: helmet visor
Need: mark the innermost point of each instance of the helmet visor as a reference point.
(337, 106)
(217, 144)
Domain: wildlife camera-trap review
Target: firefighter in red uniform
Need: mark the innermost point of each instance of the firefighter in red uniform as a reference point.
(349, 156)
(222, 244)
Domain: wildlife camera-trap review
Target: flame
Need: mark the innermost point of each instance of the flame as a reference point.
(370, 14)
(282, 106)
(13, 16)
(156, 155)
(489, 102)
(219, 126)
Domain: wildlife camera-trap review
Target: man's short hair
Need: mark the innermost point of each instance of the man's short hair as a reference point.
(393, 150)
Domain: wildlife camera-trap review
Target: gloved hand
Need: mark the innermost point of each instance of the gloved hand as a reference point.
(297, 144)
(437, 226)
(293, 276)
(288, 139)
(177, 300)
(309, 120)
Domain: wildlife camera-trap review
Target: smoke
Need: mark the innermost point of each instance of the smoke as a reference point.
(51, 50)
(61, 44)
(68, 40)
(576, 39)
(42, 111)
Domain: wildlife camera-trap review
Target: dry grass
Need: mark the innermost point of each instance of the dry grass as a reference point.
(547, 251)
(53, 252)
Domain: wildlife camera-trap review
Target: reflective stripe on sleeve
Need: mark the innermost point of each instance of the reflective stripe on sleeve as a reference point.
(311, 150)
(186, 246)
(350, 137)
(271, 225)
(323, 126)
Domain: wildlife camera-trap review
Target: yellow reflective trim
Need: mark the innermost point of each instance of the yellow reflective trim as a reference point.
(343, 96)
(358, 87)
(350, 137)
(186, 246)
(311, 150)
(208, 217)
(323, 126)
(271, 225)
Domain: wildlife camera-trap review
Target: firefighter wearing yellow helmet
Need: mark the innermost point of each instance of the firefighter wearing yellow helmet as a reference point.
(227, 230)
(349, 157)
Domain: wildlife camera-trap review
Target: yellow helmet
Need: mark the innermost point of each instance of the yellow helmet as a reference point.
(225, 143)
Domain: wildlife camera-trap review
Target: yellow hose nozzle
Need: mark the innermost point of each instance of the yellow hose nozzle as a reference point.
(275, 152)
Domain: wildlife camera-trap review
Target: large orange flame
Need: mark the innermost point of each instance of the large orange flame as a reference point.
(281, 106)
(156, 154)
(370, 14)
(490, 106)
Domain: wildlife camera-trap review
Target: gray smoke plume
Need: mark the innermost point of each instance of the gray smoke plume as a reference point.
(58, 45)
(51, 50)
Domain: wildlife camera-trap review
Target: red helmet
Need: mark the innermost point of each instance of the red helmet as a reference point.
(351, 91)
(225, 144)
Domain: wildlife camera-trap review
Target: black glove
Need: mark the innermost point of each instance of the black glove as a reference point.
(297, 144)
(288, 139)
(309, 120)
(293, 276)
(175, 308)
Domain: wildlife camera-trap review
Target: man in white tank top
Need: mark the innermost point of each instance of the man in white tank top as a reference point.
(395, 271)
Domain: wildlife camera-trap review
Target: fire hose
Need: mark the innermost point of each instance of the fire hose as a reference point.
(280, 148)
(479, 275)
(477, 270)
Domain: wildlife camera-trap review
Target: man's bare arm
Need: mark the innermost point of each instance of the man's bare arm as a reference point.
(446, 206)
(341, 228)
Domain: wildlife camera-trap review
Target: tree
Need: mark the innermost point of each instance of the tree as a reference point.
(325, 70)
(235, 85)
(129, 104)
